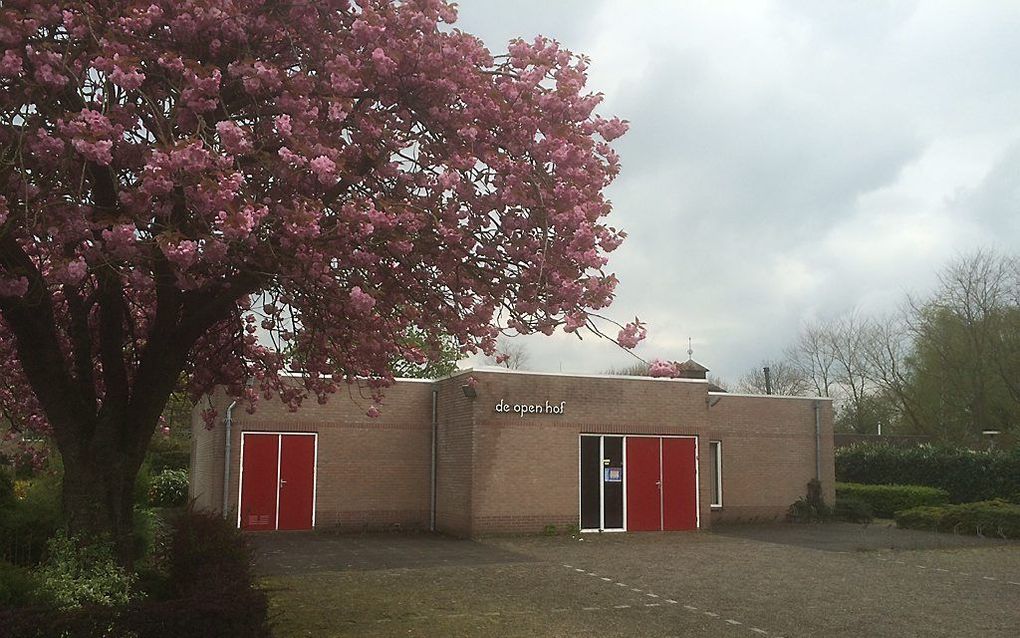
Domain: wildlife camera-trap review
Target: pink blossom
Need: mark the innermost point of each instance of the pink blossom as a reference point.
(283, 126)
(233, 137)
(574, 321)
(10, 64)
(361, 302)
(75, 271)
(372, 412)
(129, 80)
(660, 368)
(631, 335)
(325, 169)
(13, 286)
(98, 152)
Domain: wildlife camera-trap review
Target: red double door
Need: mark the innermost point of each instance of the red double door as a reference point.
(662, 483)
(277, 481)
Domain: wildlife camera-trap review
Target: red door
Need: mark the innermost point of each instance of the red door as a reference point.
(277, 481)
(260, 454)
(644, 507)
(297, 481)
(679, 484)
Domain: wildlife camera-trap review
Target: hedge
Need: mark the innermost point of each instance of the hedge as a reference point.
(967, 475)
(886, 500)
(207, 588)
(996, 518)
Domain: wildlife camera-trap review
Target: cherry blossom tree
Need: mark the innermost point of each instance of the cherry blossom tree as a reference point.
(216, 189)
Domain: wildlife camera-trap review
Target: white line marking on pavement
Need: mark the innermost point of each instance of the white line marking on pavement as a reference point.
(1012, 583)
(708, 613)
(733, 622)
(568, 566)
(621, 606)
(622, 585)
(989, 578)
(591, 608)
(606, 579)
(671, 602)
(652, 595)
(635, 589)
(690, 608)
(653, 604)
(578, 569)
(759, 631)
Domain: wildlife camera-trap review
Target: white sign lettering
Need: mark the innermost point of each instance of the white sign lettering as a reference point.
(520, 409)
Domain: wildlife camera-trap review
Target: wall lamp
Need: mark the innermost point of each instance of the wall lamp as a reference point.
(469, 391)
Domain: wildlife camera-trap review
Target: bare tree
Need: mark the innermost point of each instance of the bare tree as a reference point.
(786, 379)
(510, 354)
(636, 369)
(812, 356)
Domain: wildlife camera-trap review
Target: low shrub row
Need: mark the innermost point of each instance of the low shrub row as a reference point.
(197, 581)
(995, 518)
(967, 475)
(885, 500)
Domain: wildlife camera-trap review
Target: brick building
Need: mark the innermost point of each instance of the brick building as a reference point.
(516, 451)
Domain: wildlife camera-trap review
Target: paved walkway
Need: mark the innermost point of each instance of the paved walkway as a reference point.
(784, 580)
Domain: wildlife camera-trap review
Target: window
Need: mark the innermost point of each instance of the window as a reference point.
(715, 449)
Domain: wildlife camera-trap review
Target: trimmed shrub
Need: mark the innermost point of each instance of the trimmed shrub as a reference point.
(852, 510)
(76, 574)
(967, 475)
(886, 500)
(169, 488)
(996, 518)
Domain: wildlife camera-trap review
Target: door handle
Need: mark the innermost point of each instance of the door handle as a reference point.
(283, 482)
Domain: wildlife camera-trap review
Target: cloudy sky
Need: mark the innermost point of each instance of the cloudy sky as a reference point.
(787, 161)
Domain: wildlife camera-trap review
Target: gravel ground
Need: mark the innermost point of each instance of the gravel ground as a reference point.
(747, 581)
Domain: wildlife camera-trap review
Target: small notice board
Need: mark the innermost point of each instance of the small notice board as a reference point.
(613, 474)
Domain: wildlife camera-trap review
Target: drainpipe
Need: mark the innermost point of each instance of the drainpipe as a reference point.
(432, 480)
(226, 457)
(818, 440)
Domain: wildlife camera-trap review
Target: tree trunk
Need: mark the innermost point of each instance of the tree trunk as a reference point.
(98, 494)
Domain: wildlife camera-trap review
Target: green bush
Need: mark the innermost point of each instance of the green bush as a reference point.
(77, 574)
(169, 488)
(996, 518)
(852, 510)
(18, 586)
(886, 500)
(810, 508)
(26, 525)
(209, 591)
(967, 475)
(6, 487)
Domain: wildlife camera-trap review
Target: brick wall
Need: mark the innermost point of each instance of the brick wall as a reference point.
(501, 472)
(768, 453)
(372, 473)
(205, 480)
(525, 468)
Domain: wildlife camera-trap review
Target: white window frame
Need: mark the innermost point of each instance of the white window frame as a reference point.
(715, 450)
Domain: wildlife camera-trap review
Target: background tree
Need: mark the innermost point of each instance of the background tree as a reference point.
(965, 354)
(178, 178)
(510, 354)
(786, 379)
(434, 356)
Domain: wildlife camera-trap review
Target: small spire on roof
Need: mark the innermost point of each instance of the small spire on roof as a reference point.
(690, 349)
